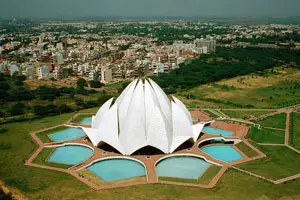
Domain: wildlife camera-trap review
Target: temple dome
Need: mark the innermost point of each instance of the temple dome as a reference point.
(143, 116)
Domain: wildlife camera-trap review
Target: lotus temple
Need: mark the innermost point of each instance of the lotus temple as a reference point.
(143, 137)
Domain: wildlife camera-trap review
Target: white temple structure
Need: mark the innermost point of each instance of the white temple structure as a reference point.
(143, 116)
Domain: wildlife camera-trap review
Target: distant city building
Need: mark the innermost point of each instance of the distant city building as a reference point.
(106, 75)
(160, 68)
(28, 72)
(43, 72)
(14, 69)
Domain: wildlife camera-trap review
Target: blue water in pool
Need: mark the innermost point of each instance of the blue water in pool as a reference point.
(86, 121)
(216, 131)
(67, 134)
(70, 154)
(182, 167)
(224, 153)
(117, 169)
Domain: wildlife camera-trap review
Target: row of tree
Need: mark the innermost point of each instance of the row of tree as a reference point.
(234, 62)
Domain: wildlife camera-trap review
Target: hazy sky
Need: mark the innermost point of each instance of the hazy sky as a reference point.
(88, 8)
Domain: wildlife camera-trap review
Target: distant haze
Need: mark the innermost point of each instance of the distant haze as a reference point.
(144, 8)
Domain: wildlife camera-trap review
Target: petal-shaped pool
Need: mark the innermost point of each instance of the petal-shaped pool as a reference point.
(224, 153)
(86, 121)
(216, 131)
(67, 134)
(181, 167)
(117, 169)
(70, 154)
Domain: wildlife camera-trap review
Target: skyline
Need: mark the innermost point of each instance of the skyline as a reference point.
(144, 8)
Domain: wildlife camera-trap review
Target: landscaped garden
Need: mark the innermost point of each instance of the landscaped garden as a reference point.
(265, 135)
(275, 121)
(280, 162)
(37, 183)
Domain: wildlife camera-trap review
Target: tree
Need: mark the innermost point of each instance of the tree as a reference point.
(2, 114)
(81, 83)
(96, 84)
(17, 109)
(4, 86)
(20, 94)
(63, 108)
(79, 102)
(47, 93)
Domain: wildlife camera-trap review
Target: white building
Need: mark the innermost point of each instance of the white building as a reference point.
(143, 116)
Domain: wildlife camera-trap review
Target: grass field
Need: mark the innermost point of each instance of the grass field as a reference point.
(265, 135)
(246, 149)
(180, 180)
(43, 157)
(295, 130)
(279, 163)
(271, 91)
(243, 114)
(209, 174)
(44, 135)
(37, 183)
(275, 121)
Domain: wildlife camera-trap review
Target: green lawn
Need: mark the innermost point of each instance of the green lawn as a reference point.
(276, 121)
(242, 114)
(44, 135)
(81, 117)
(295, 130)
(279, 163)
(37, 183)
(43, 157)
(265, 135)
(246, 149)
(210, 173)
(181, 180)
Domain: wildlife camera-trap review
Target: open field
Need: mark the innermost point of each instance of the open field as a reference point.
(266, 135)
(209, 174)
(295, 130)
(273, 90)
(246, 149)
(180, 180)
(279, 163)
(243, 114)
(275, 121)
